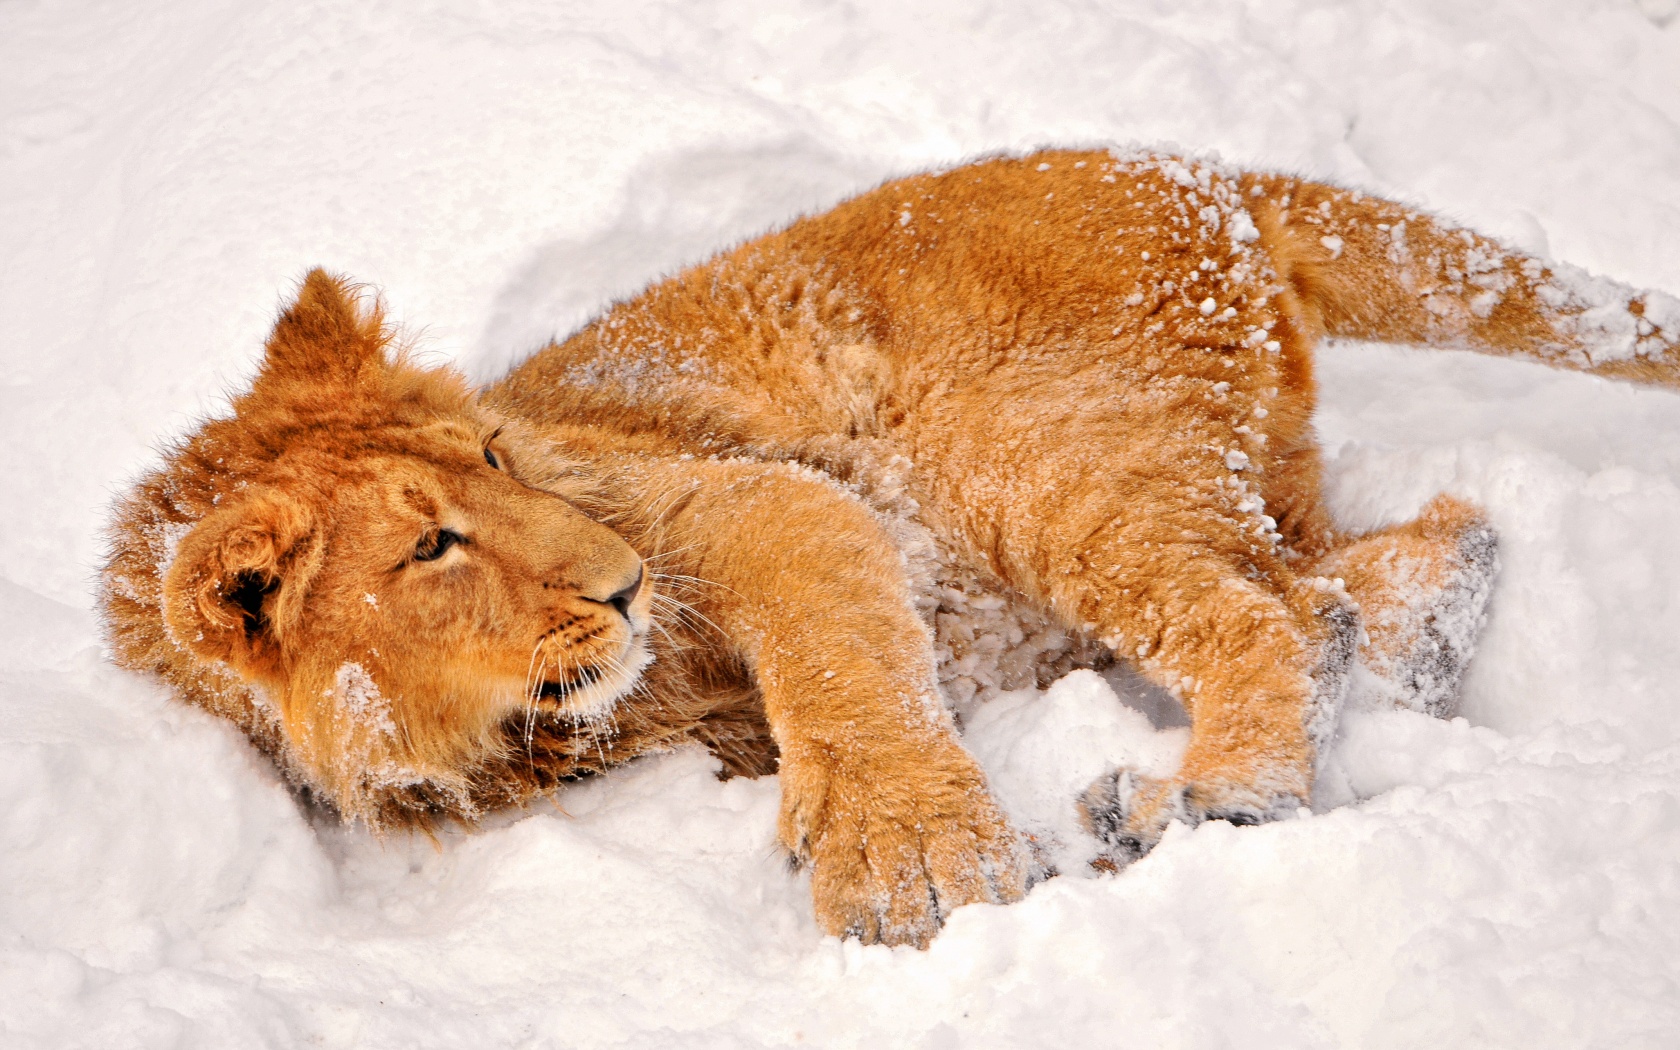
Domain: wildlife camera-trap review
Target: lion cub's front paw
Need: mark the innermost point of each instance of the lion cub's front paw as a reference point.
(1129, 812)
(891, 855)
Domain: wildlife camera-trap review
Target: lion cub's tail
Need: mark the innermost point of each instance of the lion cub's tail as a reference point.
(1367, 268)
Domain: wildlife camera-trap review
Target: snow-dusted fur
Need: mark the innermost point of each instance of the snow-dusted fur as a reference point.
(967, 427)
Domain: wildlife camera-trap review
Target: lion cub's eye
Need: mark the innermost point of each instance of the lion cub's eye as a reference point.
(491, 458)
(435, 545)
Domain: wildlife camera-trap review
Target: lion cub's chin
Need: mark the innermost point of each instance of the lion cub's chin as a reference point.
(594, 696)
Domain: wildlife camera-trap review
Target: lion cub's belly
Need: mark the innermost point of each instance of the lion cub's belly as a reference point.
(988, 640)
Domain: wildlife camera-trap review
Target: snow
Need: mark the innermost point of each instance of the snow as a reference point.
(1507, 878)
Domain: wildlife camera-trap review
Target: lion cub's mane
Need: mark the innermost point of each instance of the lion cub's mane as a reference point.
(692, 693)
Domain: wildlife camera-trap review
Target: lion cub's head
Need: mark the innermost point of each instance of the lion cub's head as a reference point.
(351, 568)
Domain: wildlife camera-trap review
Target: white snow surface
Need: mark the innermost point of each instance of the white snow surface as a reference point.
(167, 171)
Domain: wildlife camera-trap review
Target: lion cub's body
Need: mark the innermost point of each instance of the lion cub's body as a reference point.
(1078, 383)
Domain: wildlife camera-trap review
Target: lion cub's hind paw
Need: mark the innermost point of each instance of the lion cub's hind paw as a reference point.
(1114, 809)
(1129, 812)
(1423, 589)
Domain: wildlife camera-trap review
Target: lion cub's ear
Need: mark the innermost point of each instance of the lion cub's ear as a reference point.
(235, 588)
(329, 334)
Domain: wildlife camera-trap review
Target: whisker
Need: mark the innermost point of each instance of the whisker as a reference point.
(531, 695)
(684, 610)
(670, 500)
(671, 553)
(533, 684)
(674, 643)
(677, 589)
(694, 581)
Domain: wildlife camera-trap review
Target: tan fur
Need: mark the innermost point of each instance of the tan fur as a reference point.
(1077, 382)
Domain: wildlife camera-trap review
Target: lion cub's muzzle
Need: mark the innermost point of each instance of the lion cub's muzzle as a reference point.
(597, 650)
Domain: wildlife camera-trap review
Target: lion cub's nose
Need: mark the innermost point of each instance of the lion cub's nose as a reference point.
(625, 595)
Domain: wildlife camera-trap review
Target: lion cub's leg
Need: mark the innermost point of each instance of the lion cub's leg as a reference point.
(1261, 674)
(1178, 569)
(879, 798)
(1422, 590)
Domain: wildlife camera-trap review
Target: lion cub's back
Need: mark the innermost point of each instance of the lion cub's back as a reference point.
(1059, 248)
(1010, 273)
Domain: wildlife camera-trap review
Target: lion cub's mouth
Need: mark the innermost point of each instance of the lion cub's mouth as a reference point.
(567, 688)
(590, 690)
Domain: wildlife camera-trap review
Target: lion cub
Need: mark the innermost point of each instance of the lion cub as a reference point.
(758, 506)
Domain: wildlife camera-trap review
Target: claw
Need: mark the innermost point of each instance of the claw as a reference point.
(894, 877)
(1128, 812)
